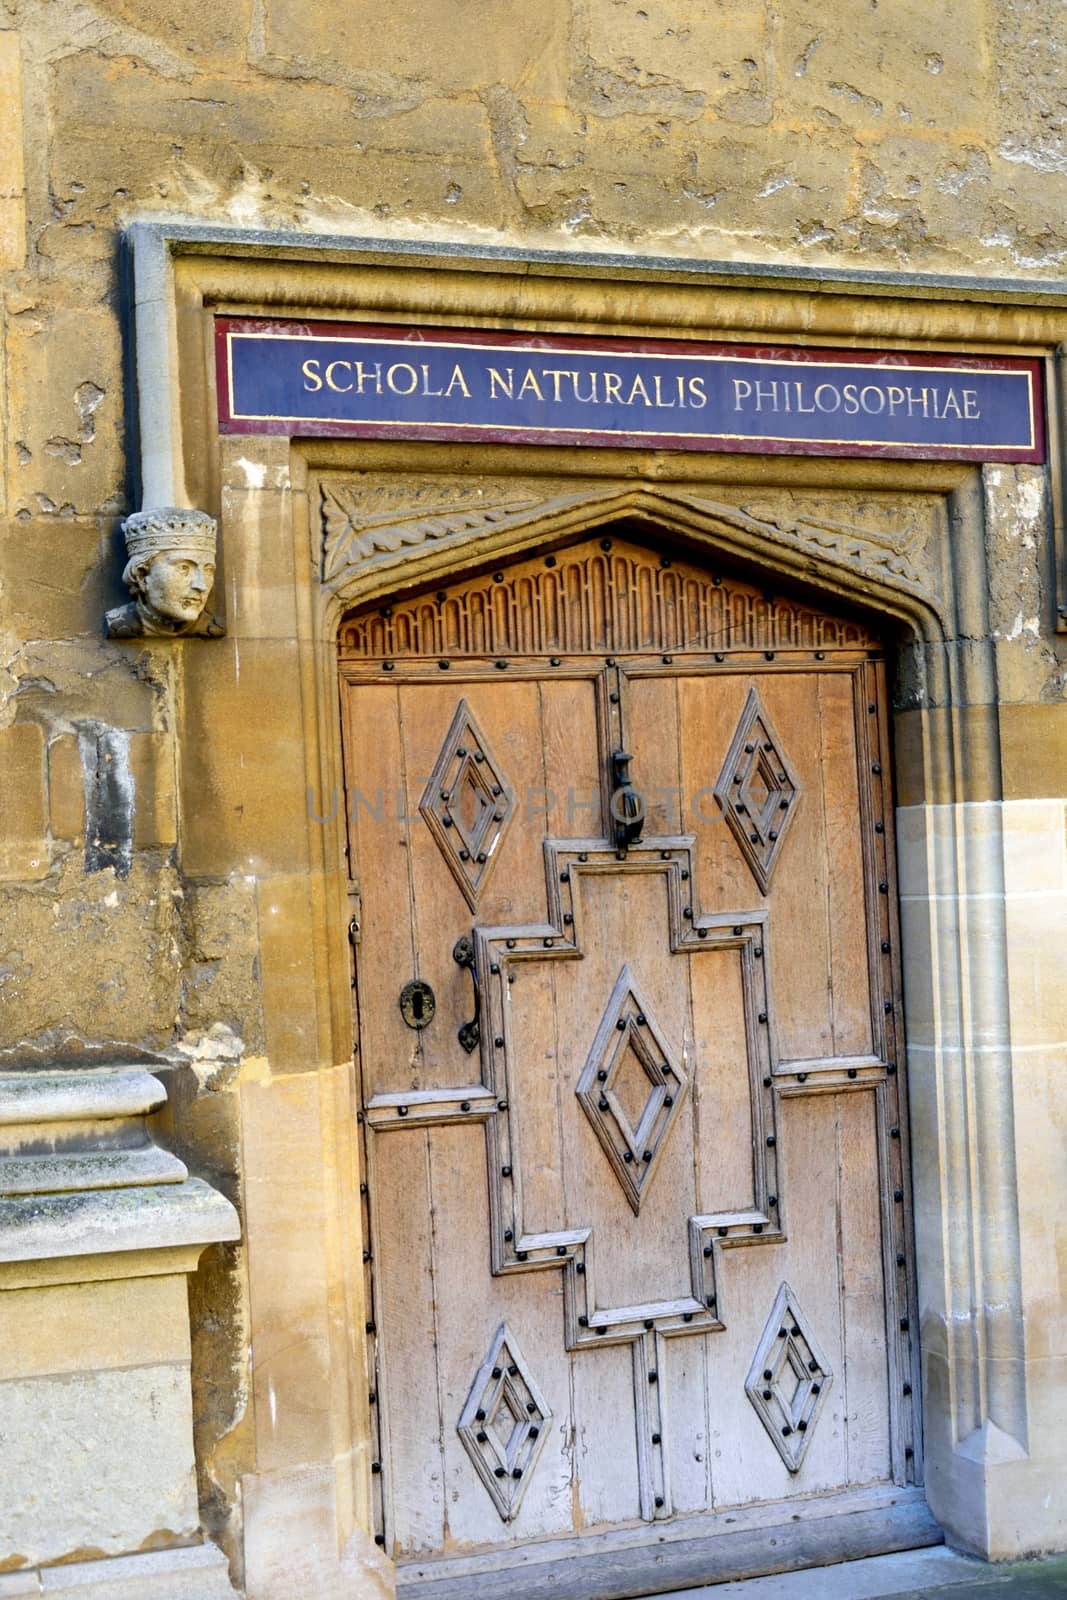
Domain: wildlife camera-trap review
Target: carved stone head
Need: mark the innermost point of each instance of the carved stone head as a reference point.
(170, 571)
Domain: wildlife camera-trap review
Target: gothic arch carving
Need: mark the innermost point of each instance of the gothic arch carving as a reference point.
(378, 539)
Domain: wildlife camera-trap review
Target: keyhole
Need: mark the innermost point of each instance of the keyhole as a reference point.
(416, 1005)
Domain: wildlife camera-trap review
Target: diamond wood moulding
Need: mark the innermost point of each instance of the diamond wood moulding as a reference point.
(466, 804)
(603, 595)
(757, 790)
(503, 1424)
(631, 1088)
(788, 1380)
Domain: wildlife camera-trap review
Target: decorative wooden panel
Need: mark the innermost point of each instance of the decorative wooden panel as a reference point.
(591, 600)
(503, 1424)
(466, 804)
(631, 1088)
(788, 1380)
(650, 1254)
(757, 790)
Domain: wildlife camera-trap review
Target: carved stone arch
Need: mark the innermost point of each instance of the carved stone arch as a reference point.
(372, 549)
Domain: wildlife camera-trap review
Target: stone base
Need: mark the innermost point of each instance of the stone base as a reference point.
(199, 1572)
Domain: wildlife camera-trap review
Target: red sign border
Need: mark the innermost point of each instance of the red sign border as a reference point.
(801, 355)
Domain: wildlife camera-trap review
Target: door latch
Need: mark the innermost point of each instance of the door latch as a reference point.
(627, 803)
(469, 1032)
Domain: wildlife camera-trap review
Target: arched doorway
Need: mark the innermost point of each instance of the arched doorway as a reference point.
(637, 1195)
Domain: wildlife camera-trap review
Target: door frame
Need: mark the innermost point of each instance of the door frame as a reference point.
(613, 1560)
(295, 568)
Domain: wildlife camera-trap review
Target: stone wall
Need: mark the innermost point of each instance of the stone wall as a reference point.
(913, 138)
(896, 136)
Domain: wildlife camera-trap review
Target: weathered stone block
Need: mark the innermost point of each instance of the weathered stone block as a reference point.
(65, 410)
(12, 178)
(66, 788)
(233, 808)
(455, 50)
(288, 1276)
(155, 821)
(23, 842)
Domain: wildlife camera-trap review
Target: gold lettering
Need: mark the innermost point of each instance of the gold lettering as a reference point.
(698, 395)
(612, 385)
(799, 387)
(457, 381)
(390, 377)
(312, 381)
(371, 374)
(338, 388)
(505, 385)
(668, 404)
(556, 373)
(638, 387)
(851, 399)
(530, 383)
(970, 405)
(833, 391)
(950, 400)
(424, 369)
(589, 399)
(896, 398)
(742, 390)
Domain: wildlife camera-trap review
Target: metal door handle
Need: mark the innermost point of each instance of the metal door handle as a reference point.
(469, 1032)
(627, 803)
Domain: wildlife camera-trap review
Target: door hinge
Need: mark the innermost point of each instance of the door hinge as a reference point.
(355, 906)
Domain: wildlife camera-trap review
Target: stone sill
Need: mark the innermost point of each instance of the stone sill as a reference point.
(149, 1217)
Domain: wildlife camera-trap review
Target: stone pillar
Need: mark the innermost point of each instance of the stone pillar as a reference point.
(99, 1228)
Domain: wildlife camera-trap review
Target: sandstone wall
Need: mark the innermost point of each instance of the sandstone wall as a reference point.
(884, 134)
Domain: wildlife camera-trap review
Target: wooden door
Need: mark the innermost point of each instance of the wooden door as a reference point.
(635, 1140)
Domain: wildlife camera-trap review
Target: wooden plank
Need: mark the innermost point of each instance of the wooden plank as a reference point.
(607, 1568)
(799, 938)
(407, 1341)
(605, 1452)
(686, 1427)
(847, 910)
(390, 1052)
(722, 1097)
(708, 713)
(570, 777)
(471, 1305)
(865, 1368)
(651, 712)
(506, 714)
(810, 1168)
(637, 1258)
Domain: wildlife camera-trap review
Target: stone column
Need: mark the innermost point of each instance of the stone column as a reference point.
(99, 1228)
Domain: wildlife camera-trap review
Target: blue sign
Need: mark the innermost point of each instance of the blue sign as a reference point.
(435, 383)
